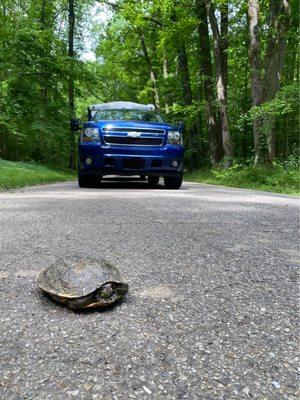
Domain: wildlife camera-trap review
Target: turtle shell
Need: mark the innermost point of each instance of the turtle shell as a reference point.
(77, 276)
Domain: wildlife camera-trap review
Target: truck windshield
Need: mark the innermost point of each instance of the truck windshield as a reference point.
(127, 115)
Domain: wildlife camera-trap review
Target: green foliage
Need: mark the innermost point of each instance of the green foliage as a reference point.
(280, 178)
(34, 71)
(286, 102)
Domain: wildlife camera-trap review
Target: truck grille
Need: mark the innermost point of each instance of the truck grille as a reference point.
(125, 136)
(139, 141)
(142, 130)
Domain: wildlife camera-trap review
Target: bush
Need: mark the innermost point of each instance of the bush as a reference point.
(282, 177)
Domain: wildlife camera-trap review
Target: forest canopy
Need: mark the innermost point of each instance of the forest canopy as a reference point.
(228, 69)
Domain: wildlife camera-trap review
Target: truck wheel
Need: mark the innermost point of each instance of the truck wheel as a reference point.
(85, 181)
(153, 181)
(173, 182)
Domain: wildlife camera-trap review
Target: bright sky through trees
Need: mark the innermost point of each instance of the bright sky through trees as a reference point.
(99, 15)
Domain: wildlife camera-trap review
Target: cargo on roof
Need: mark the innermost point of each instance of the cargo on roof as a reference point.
(122, 105)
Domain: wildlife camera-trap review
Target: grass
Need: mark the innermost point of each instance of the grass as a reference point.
(18, 174)
(276, 179)
(279, 178)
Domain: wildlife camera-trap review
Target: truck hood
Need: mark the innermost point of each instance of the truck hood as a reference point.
(132, 125)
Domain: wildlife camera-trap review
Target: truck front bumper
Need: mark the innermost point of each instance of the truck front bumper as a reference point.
(99, 160)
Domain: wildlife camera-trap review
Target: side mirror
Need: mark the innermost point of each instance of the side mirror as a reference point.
(181, 125)
(75, 124)
(89, 114)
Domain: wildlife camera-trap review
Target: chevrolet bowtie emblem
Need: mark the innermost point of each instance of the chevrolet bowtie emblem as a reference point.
(134, 134)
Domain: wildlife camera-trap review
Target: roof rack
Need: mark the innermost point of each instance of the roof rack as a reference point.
(122, 105)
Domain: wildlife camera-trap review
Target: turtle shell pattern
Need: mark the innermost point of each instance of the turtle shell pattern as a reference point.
(77, 276)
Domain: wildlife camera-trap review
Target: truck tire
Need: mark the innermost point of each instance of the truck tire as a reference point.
(85, 181)
(153, 181)
(173, 182)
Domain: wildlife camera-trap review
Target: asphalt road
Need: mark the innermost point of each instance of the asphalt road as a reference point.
(212, 311)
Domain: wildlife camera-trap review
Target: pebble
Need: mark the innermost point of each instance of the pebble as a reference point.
(246, 390)
(276, 384)
(147, 390)
(73, 393)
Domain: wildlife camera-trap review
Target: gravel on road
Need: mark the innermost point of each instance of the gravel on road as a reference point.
(212, 311)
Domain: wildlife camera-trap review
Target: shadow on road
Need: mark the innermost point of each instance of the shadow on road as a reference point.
(47, 301)
(126, 183)
(120, 182)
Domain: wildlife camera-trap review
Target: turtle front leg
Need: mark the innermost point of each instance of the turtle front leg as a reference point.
(80, 302)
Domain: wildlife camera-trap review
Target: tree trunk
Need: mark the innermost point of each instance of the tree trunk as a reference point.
(165, 75)
(274, 60)
(227, 143)
(43, 14)
(184, 73)
(224, 44)
(214, 133)
(71, 28)
(260, 145)
(152, 74)
(245, 110)
(43, 78)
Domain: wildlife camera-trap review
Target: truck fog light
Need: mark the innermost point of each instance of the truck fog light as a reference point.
(174, 163)
(89, 161)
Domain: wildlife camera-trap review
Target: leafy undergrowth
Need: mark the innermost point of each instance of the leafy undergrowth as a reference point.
(277, 178)
(18, 174)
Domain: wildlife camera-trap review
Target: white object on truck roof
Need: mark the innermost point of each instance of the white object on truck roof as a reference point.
(122, 105)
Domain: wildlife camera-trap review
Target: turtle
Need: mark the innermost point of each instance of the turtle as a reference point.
(81, 282)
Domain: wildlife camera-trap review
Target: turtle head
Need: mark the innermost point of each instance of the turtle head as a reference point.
(105, 291)
(110, 292)
(108, 289)
(122, 289)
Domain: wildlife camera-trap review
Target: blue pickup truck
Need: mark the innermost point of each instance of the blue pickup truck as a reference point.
(124, 138)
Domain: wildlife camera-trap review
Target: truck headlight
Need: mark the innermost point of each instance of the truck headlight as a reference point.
(174, 137)
(90, 135)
